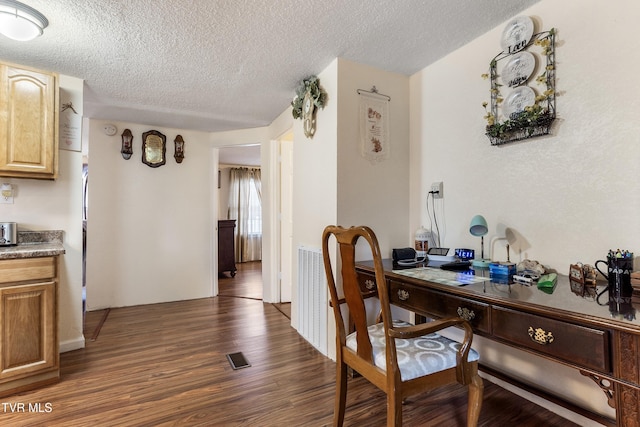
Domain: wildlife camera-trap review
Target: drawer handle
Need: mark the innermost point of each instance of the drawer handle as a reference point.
(539, 336)
(466, 314)
(369, 284)
(403, 295)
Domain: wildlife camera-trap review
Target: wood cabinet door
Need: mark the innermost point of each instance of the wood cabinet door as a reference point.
(28, 128)
(28, 328)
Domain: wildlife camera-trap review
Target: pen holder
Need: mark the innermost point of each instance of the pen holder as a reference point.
(618, 276)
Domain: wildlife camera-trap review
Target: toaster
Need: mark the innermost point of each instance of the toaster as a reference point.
(8, 233)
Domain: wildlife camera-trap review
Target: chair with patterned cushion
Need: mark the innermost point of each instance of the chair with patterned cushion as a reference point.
(399, 358)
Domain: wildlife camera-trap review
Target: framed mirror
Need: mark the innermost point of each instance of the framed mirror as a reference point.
(153, 148)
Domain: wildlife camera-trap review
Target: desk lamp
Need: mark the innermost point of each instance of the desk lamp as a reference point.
(478, 227)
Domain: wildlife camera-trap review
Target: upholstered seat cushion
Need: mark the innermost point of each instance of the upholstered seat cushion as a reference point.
(417, 356)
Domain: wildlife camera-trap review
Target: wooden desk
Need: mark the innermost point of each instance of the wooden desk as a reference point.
(602, 342)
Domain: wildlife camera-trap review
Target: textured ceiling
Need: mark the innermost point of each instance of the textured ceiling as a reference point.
(216, 65)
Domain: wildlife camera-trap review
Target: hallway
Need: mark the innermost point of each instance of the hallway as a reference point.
(247, 283)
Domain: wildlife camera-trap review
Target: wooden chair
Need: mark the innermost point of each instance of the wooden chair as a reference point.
(427, 360)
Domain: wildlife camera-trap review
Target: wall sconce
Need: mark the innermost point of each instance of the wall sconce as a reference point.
(127, 144)
(478, 227)
(179, 149)
(21, 22)
(6, 191)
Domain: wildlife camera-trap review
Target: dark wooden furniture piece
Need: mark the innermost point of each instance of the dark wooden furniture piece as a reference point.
(382, 353)
(602, 342)
(226, 246)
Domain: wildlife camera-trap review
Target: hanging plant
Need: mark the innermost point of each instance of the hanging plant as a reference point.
(317, 95)
(309, 97)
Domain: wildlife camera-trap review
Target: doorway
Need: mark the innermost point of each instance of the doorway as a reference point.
(246, 281)
(277, 176)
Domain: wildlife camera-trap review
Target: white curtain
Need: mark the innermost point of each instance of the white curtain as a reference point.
(245, 200)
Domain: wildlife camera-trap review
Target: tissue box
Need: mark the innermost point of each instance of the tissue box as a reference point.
(502, 272)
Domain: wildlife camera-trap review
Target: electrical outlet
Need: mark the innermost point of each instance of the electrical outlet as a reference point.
(437, 190)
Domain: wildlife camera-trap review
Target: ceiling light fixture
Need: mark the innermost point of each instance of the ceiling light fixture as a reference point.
(21, 22)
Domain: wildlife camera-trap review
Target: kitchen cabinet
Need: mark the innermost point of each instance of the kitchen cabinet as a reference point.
(28, 123)
(29, 349)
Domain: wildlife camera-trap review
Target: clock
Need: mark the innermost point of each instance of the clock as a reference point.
(576, 273)
(580, 280)
(576, 279)
(465, 254)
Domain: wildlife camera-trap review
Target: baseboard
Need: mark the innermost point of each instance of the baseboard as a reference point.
(71, 345)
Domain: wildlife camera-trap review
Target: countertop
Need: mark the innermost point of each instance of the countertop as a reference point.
(33, 244)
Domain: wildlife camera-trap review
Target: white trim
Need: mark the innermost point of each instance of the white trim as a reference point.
(270, 222)
(74, 344)
(213, 178)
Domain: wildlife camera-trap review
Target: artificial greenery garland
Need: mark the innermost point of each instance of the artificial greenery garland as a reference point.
(312, 85)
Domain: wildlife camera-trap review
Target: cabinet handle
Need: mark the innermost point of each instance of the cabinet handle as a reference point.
(403, 295)
(539, 336)
(369, 284)
(466, 314)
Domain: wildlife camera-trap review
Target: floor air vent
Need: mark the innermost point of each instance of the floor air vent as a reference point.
(238, 361)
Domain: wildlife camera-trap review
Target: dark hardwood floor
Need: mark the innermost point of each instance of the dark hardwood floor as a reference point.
(165, 365)
(247, 284)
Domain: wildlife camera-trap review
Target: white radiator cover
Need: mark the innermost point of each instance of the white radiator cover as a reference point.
(312, 298)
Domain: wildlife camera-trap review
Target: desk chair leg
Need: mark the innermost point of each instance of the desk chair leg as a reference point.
(394, 409)
(341, 393)
(476, 390)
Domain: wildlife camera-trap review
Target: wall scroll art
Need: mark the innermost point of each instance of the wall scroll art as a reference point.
(70, 125)
(153, 149)
(374, 125)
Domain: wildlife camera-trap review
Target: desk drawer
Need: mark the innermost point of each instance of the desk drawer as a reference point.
(433, 303)
(577, 345)
(367, 284)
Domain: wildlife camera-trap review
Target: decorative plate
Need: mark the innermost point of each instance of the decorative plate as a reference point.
(518, 69)
(516, 34)
(518, 99)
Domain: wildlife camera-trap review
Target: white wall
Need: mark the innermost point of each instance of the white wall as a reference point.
(334, 184)
(373, 194)
(315, 175)
(149, 230)
(571, 196)
(57, 205)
